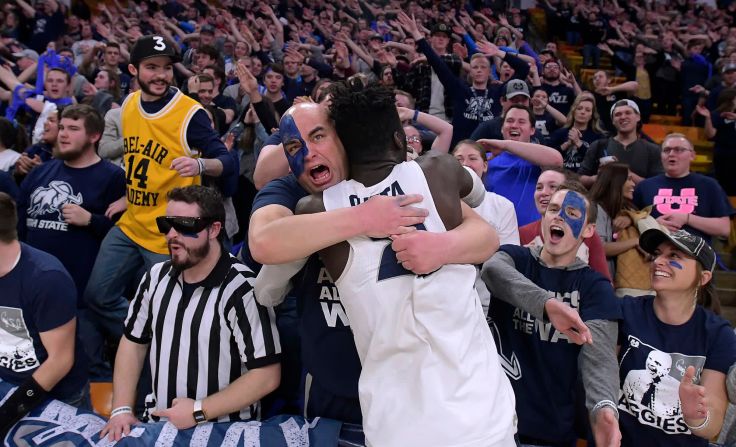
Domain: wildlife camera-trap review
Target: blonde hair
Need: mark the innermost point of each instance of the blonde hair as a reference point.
(595, 119)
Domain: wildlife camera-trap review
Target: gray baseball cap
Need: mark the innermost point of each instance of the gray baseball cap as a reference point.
(30, 54)
(690, 244)
(516, 87)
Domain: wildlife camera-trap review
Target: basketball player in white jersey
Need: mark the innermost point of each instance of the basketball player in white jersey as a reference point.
(431, 374)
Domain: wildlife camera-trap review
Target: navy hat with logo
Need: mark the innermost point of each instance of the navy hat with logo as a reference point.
(690, 244)
(441, 28)
(151, 46)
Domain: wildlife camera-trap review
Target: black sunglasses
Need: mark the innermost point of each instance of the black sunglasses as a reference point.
(186, 226)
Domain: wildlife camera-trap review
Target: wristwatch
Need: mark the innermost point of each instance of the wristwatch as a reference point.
(198, 413)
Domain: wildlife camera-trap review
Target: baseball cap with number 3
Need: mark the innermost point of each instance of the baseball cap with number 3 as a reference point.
(153, 46)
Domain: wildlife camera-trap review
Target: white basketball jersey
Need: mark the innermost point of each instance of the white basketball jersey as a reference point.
(431, 374)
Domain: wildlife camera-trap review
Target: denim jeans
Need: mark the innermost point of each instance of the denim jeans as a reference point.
(117, 263)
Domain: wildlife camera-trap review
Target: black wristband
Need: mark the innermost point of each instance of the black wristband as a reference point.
(28, 395)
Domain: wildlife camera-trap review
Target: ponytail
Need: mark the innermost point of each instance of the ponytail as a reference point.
(708, 298)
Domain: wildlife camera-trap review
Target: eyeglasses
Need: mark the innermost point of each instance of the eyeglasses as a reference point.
(676, 150)
(413, 139)
(186, 226)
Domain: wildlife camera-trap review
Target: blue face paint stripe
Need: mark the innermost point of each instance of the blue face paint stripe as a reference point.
(289, 132)
(676, 265)
(574, 200)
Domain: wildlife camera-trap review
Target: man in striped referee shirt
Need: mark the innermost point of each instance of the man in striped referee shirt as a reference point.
(214, 351)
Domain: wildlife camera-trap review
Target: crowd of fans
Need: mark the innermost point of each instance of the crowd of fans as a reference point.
(114, 115)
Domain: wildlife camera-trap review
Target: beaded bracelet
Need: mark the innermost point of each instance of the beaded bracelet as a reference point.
(701, 426)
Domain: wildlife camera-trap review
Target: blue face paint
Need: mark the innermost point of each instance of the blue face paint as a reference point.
(295, 147)
(676, 265)
(573, 204)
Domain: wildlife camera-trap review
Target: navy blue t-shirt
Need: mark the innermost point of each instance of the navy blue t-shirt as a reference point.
(8, 186)
(37, 296)
(545, 124)
(328, 348)
(40, 222)
(541, 363)
(561, 97)
(694, 194)
(653, 358)
(725, 134)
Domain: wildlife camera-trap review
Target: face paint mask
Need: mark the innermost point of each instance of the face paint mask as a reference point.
(290, 138)
(576, 201)
(676, 265)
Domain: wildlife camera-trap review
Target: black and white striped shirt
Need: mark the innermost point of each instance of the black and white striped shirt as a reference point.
(202, 336)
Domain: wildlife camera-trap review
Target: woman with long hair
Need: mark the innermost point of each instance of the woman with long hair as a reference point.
(719, 127)
(675, 350)
(613, 193)
(582, 128)
(104, 92)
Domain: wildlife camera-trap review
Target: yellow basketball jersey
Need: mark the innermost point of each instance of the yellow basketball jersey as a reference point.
(150, 143)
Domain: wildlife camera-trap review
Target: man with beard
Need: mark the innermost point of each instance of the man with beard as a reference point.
(214, 351)
(168, 142)
(560, 95)
(63, 205)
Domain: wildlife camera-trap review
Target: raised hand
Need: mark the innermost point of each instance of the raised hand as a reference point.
(692, 397)
(247, 81)
(410, 25)
(460, 50)
(702, 110)
(487, 48)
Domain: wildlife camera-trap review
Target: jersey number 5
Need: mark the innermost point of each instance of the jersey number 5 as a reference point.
(140, 172)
